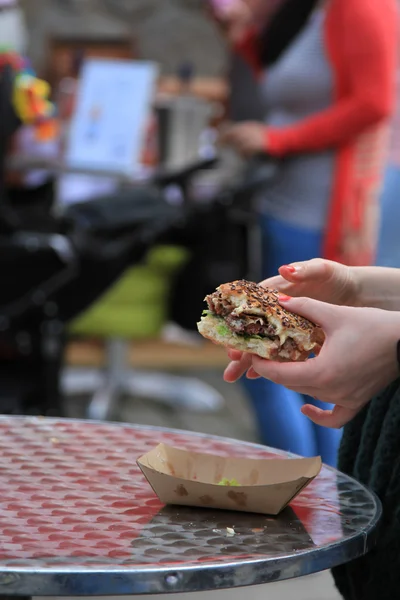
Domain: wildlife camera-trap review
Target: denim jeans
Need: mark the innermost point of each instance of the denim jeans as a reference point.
(389, 236)
(277, 410)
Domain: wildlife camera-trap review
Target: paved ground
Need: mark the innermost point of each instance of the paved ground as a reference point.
(234, 420)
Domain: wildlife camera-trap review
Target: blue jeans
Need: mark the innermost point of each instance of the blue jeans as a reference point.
(281, 424)
(389, 238)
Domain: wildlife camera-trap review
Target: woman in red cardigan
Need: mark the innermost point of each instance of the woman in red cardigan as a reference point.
(328, 95)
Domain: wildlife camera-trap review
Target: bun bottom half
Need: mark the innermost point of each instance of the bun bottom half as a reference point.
(215, 329)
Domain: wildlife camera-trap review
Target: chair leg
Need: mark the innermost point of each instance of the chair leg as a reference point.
(105, 386)
(79, 381)
(105, 400)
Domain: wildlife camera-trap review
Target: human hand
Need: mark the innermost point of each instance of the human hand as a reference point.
(246, 138)
(357, 360)
(319, 279)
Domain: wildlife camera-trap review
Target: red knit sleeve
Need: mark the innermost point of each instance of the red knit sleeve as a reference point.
(362, 35)
(248, 49)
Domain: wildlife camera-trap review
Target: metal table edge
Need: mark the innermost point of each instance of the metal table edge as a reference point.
(196, 578)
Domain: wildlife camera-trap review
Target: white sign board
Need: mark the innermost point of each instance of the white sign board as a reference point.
(113, 105)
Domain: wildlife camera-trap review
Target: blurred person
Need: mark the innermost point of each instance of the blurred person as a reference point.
(326, 70)
(358, 373)
(246, 98)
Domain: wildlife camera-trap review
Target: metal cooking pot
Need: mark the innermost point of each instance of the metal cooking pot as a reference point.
(181, 121)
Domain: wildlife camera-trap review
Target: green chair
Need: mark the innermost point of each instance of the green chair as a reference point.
(135, 308)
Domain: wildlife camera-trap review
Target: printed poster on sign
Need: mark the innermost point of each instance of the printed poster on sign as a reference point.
(113, 107)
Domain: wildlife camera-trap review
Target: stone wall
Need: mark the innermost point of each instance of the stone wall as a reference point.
(167, 31)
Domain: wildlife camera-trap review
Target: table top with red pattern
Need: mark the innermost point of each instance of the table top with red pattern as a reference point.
(77, 517)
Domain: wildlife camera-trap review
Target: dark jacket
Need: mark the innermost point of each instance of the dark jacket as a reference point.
(370, 452)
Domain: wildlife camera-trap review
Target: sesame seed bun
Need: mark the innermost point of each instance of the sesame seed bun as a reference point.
(294, 338)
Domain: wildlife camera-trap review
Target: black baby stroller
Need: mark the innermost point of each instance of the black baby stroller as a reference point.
(54, 267)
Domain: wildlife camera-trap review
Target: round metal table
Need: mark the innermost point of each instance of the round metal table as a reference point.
(78, 518)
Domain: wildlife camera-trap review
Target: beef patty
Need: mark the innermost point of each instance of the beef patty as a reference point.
(244, 324)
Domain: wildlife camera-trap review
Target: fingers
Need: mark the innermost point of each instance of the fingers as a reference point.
(239, 140)
(225, 133)
(247, 138)
(251, 374)
(234, 354)
(334, 419)
(291, 273)
(278, 283)
(236, 369)
(288, 374)
(321, 313)
(316, 270)
(231, 134)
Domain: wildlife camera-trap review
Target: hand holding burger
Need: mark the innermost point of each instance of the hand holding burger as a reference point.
(358, 359)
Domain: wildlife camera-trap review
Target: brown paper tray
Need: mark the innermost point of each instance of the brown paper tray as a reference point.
(267, 486)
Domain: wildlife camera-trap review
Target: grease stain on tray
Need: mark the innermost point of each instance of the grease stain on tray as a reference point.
(181, 491)
(239, 498)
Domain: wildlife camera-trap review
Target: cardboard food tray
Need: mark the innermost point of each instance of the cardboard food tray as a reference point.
(266, 487)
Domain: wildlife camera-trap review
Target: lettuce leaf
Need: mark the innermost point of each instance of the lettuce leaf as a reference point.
(223, 329)
(229, 482)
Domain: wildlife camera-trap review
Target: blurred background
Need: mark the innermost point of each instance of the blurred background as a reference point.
(99, 316)
(120, 209)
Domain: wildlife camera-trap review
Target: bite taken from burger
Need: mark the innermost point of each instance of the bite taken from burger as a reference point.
(248, 317)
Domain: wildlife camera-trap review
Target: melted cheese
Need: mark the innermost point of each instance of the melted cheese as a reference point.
(302, 339)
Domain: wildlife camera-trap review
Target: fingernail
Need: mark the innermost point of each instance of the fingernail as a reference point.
(284, 298)
(290, 268)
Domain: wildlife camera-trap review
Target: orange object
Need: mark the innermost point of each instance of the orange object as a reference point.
(361, 39)
(47, 130)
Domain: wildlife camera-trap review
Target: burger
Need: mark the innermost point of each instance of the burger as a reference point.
(248, 317)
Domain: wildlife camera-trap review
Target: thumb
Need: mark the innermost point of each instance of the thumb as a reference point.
(316, 270)
(320, 313)
(334, 419)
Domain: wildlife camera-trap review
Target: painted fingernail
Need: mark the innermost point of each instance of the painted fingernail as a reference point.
(289, 268)
(284, 298)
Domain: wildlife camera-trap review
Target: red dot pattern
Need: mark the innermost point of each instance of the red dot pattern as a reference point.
(72, 495)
